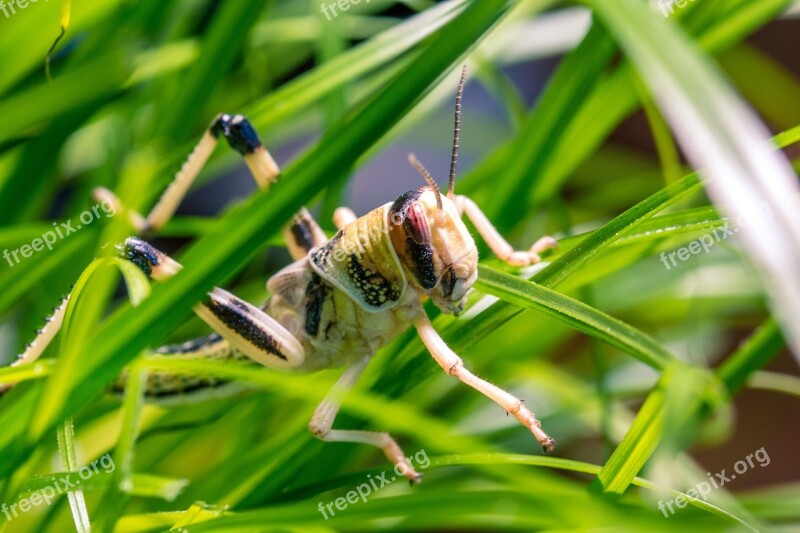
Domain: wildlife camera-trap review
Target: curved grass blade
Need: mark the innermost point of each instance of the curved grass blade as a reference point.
(575, 313)
(37, 370)
(584, 468)
(541, 130)
(357, 61)
(647, 429)
(775, 382)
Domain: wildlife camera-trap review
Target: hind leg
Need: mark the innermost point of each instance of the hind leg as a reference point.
(44, 336)
(248, 329)
(240, 135)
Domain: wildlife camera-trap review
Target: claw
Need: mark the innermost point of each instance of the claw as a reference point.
(549, 445)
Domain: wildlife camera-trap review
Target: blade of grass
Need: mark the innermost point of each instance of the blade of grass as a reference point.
(230, 26)
(47, 100)
(647, 429)
(69, 461)
(575, 313)
(568, 87)
(581, 467)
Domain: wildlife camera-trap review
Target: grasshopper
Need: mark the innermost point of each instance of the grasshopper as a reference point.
(342, 298)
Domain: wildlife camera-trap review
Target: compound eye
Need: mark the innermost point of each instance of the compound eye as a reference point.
(416, 225)
(448, 282)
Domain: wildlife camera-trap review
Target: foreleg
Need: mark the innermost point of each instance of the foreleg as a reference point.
(499, 246)
(454, 366)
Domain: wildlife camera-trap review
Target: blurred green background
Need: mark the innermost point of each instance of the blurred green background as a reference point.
(636, 369)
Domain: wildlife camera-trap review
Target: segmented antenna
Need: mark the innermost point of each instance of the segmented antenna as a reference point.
(454, 159)
(427, 175)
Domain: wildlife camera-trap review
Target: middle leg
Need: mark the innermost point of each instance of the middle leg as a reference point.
(343, 216)
(322, 423)
(303, 234)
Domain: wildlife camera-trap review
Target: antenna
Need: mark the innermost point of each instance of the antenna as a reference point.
(454, 159)
(427, 175)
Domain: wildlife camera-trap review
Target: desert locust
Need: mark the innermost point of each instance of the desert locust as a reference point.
(342, 298)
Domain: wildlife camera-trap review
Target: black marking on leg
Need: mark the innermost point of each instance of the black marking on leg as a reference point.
(302, 230)
(316, 291)
(238, 131)
(236, 316)
(141, 254)
(302, 235)
(188, 386)
(161, 385)
(164, 384)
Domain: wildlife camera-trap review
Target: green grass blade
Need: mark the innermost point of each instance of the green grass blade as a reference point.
(77, 503)
(577, 314)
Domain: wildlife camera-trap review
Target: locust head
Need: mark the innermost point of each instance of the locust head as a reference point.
(434, 247)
